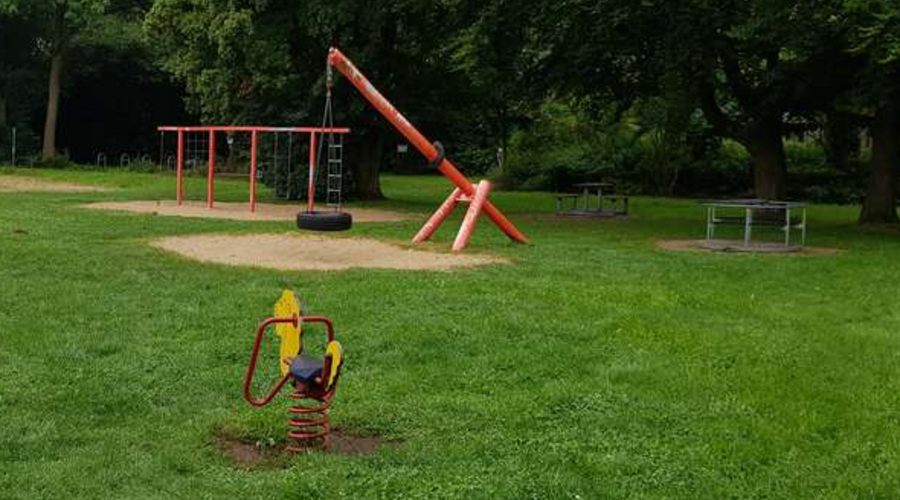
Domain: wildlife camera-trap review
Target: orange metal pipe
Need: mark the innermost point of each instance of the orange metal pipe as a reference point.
(339, 61)
(311, 183)
(475, 207)
(253, 144)
(254, 356)
(210, 170)
(179, 195)
(439, 216)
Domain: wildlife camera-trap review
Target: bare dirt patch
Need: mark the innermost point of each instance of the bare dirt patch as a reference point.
(247, 454)
(291, 252)
(16, 183)
(236, 211)
(729, 246)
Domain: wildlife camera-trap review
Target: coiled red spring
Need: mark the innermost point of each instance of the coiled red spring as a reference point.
(309, 422)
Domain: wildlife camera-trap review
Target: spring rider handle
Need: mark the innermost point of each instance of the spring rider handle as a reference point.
(251, 369)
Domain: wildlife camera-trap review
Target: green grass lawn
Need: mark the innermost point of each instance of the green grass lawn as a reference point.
(594, 366)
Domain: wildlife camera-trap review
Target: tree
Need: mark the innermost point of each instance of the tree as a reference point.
(265, 61)
(59, 24)
(490, 48)
(874, 27)
(745, 62)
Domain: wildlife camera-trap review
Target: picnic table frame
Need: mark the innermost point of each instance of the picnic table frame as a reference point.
(582, 202)
(747, 219)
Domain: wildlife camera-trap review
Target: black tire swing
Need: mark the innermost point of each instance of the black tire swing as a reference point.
(334, 219)
(324, 221)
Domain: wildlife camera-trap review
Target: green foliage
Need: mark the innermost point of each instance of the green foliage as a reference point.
(813, 178)
(641, 151)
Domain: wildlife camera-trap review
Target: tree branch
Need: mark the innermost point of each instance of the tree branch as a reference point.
(722, 124)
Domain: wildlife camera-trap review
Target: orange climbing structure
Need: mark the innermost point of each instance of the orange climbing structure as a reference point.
(466, 192)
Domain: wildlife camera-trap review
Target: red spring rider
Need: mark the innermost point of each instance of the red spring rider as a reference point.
(314, 379)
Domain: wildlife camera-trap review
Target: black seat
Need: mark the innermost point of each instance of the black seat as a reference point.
(306, 369)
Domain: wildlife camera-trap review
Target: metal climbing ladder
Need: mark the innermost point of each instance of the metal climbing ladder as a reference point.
(334, 154)
(335, 169)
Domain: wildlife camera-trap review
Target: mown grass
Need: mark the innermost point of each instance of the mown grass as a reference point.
(595, 366)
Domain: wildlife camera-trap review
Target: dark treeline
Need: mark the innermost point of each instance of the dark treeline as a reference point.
(771, 98)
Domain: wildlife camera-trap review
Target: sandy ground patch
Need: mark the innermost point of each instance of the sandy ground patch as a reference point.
(236, 211)
(299, 252)
(734, 246)
(16, 183)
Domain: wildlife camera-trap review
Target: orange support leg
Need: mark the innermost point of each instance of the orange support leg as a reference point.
(475, 207)
(439, 216)
(311, 183)
(179, 195)
(253, 140)
(210, 170)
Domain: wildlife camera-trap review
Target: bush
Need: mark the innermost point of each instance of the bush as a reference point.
(640, 152)
(643, 153)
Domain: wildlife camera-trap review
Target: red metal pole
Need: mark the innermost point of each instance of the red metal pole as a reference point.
(311, 184)
(253, 171)
(475, 207)
(337, 59)
(440, 215)
(179, 195)
(254, 355)
(210, 171)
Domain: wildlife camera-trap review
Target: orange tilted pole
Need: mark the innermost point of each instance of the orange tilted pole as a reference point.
(338, 60)
(475, 207)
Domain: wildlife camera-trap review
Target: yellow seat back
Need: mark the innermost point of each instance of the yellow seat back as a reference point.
(336, 352)
(288, 306)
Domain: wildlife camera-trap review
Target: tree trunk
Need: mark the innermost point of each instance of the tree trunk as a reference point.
(56, 66)
(880, 204)
(3, 115)
(766, 147)
(841, 140)
(367, 166)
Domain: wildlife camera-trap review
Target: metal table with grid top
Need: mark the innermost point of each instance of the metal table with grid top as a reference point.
(756, 213)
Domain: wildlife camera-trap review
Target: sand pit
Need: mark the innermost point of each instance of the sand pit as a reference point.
(299, 253)
(236, 211)
(16, 183)
(734, 246)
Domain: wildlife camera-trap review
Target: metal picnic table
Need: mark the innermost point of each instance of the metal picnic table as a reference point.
(767, 213)
(582, 203)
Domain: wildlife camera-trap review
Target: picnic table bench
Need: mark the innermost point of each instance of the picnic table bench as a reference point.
(583, 203)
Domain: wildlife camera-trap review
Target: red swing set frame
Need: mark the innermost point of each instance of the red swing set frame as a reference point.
(254, 146)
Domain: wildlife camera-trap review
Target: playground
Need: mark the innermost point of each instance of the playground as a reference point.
(590, 363)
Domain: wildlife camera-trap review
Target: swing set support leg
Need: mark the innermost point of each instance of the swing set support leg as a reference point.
(210, 170)
(179, 194)
(253, 144)
(311, 183)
